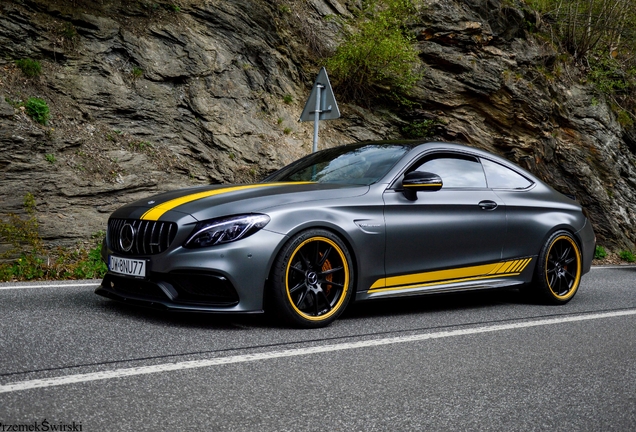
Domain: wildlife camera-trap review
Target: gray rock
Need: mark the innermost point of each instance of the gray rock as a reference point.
(144, 99)
(6, 110)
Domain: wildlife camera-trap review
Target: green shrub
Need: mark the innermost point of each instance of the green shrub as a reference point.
(27, 267)
(30, 68)
(89, 264)
(288, 99)
(21, 233)
(625, 119)
(378, 57)
(137, 72)
(68, 30)
(600, 37)
(421, 129)
(627, 255)
(35, 262)
(600, 253)
(140, 145)
(37, 109)
(608, 75)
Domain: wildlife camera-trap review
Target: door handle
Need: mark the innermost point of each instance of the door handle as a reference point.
(488, 205)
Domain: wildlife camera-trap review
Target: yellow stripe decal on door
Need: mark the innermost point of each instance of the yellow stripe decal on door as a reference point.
(440, 277)
(506, 266)
(156, 212)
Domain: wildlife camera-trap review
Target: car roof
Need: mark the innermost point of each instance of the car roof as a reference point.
(420, 147)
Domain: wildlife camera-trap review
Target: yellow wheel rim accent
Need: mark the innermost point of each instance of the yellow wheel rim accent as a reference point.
(577, 277)
(345, 264)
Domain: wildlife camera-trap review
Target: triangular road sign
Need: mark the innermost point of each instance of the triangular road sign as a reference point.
(328, 106)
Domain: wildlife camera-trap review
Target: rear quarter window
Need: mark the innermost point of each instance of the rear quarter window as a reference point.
(501, 177)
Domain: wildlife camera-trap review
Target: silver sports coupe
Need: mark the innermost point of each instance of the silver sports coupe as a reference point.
(358, 222)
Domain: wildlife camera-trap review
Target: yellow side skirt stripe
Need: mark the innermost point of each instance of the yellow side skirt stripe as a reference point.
(156, 212)
(440, 277)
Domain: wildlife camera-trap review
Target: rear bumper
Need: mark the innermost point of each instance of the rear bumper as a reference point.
(588, 245)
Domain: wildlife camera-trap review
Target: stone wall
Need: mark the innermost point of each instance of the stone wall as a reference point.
(145, 98)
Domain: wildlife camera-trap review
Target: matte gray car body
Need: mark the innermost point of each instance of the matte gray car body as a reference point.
(451, 239)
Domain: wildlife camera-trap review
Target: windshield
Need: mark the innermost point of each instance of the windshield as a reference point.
(361, 164)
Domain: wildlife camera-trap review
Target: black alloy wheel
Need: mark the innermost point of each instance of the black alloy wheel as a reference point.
(558, 272)
(312, 279)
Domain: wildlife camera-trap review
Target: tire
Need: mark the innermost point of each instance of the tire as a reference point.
(312, 279)
(558, 273)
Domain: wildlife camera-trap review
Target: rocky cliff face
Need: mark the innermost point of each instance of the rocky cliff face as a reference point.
(149, 96)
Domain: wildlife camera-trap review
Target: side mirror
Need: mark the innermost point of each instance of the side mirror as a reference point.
(418, 181)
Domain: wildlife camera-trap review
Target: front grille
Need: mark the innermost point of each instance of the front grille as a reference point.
(151, 237)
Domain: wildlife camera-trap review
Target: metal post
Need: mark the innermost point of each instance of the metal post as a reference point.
(319, 87)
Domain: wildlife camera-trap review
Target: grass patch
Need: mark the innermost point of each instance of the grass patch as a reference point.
(378, 57)
(419, 129)
(35, 262)
(140, 145)
(627, 255)
(37, 109)
(137, 72)
(624, 119)
(61, 263)
(29, 67)
(600, 253)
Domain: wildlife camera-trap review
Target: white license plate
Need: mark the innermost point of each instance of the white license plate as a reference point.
(127, 266)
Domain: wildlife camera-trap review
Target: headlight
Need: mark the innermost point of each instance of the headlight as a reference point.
(225, 230)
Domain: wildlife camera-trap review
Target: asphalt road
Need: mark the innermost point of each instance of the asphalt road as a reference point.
(71, 360)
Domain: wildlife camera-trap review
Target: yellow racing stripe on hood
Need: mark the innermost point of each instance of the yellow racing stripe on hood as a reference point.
(156, 212)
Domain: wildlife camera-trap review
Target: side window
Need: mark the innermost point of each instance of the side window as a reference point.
(456, 171)
(500, 177)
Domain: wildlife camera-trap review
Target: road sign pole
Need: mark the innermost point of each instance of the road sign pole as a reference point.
(317, 117)
(321, 103)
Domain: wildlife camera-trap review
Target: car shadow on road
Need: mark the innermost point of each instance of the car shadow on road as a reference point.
(368, 309)
(181, 319)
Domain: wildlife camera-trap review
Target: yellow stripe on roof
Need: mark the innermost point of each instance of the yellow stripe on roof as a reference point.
(157, 211)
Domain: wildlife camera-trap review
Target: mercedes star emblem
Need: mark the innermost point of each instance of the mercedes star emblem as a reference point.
(127, 237)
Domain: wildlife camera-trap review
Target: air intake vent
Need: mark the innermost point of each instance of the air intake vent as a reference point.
(140, 237)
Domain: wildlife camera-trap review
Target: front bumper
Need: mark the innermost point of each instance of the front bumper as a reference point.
(228, 278)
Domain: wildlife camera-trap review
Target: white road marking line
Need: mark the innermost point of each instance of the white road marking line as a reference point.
(193, 364)
(11, 287)
(616, 266)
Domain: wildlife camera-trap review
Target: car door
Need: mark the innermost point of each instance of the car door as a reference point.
(461, 225)
(523, 210)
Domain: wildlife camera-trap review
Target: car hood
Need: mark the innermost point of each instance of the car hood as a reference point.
(206, 202)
